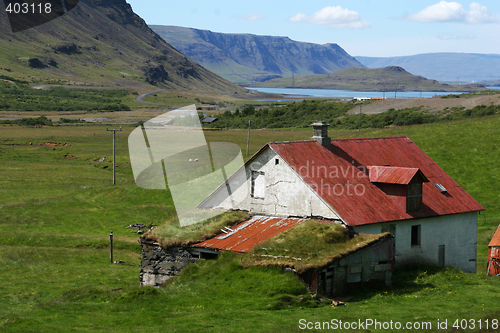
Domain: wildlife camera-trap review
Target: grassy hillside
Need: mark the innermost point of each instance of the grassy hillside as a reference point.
(367, 79)
(101, 43)
(244, 58)
(58, 206)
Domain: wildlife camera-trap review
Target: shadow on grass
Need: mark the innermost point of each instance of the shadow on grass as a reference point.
(405, 281)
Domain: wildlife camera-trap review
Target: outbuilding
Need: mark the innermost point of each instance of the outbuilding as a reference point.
(209, 120)
(494, 254)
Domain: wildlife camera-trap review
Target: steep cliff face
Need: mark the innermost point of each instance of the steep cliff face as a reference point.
(101, 42)
(246, 58)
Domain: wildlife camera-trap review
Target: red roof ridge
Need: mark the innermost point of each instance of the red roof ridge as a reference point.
(296, 141)
(372, 138)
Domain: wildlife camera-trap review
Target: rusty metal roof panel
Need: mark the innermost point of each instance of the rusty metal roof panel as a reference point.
(339, 175)
(495, 241)
(391, 175)
(244, 236)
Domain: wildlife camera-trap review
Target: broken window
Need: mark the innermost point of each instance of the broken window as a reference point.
(258, 184)
(415, 235)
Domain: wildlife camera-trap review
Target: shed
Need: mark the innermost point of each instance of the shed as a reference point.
(209, 120)
(494, 254)
(369, 264)
(352, 260)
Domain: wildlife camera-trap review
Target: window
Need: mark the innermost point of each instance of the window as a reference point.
(258, 184)
(414, 197)
(415, 235)
(441, 187)
(277, 161)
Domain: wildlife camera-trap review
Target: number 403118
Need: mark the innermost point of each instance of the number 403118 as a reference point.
(26, 8)
(472, 324)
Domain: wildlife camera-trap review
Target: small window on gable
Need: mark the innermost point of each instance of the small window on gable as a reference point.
(258, 185)
(415, 235)
(276, 161)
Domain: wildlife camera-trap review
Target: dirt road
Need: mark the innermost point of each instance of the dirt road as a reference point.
(431, 104)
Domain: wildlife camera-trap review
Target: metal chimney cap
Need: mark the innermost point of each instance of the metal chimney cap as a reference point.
(320, 123)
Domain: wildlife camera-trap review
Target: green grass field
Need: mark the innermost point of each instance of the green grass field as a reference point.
(57, 207)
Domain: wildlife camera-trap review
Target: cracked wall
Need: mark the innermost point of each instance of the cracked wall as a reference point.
(284, 193)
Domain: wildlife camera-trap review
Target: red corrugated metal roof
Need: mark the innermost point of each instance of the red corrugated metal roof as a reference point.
(393, 175)
(495, 241)
(246, 235)
(338, 175)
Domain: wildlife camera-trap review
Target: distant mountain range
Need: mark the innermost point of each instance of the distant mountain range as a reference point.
(101, 42)
(390, 78)
(244, 58)
(446, 67)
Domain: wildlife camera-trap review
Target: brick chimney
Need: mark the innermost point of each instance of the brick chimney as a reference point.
(320, 133)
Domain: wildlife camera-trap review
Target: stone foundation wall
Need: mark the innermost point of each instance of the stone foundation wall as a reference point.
(158, 265)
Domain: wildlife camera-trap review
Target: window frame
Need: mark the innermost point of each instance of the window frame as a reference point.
(415, 235)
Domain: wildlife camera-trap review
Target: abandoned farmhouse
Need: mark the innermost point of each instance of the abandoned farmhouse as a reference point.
(387, 187)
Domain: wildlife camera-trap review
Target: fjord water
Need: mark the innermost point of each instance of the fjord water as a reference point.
(329, 93)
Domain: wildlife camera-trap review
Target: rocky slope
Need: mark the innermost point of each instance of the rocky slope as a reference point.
(243, 58)
(101, 42)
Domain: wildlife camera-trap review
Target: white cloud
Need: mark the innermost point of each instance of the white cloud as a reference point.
(450, 37)
(453, 12)
(335, 17)
(251, 17)
(479, 14)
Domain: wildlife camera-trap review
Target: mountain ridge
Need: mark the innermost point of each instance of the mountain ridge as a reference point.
(243, 58)
(392, 78)
(443, 66)
(101, 42)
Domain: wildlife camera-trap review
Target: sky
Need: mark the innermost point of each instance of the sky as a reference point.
(374, 28)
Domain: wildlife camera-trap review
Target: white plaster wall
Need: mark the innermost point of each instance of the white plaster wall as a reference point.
(285, 193)
(457, 232)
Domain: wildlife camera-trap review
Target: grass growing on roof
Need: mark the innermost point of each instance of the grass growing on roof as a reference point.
(172, 234)
(308, 245)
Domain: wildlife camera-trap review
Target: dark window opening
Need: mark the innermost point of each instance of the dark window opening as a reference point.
(415, 235)
(414, 197)
(441, 256)
(277, 161)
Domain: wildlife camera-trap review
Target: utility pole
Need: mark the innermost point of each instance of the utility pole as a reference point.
(248, 139)
(114, 155)
(111, 246)
(396, 93)
(359, 126)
